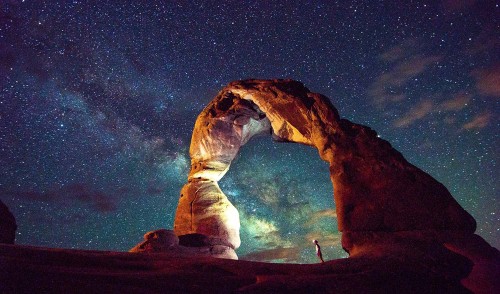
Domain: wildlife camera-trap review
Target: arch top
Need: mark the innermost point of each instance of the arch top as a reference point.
(375, 188)
(286, 109)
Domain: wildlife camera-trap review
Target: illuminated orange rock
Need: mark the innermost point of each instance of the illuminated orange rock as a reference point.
(375, 188)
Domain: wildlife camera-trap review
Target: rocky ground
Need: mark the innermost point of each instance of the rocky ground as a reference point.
(25, 269)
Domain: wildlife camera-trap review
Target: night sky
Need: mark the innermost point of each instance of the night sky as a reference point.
(98, 100)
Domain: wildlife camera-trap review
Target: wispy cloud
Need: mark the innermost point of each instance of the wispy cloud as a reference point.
(68, 194)
(458, 102)
(414, 114)
(478, 122)
(451, 6)
(486, 41)
(406, 48)
(488, 80)
(406, 66)
(426, 107)
(325, 238)
(406, 63)
(318, 215)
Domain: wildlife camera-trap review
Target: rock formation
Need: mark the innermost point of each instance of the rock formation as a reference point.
(375, 188)
(157, 241)
(8, 225)
(386, 207)
(166, 241)
(403, 230)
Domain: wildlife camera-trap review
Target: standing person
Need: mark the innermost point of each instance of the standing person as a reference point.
(318, 250)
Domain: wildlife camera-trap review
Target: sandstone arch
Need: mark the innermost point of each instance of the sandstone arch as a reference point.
(375, 188)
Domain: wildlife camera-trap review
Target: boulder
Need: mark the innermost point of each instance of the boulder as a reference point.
(193, 245)
(8, 225)
(157, 241)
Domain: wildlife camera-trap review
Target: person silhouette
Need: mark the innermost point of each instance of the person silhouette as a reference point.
(318, 250)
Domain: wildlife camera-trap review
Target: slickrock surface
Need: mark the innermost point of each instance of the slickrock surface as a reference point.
(40, 270)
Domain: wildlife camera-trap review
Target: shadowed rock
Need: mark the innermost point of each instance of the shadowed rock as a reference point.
(8, 225)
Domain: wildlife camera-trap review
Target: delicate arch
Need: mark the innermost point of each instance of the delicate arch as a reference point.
(375, 188)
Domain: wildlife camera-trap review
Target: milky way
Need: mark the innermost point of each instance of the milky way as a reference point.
(98, 100)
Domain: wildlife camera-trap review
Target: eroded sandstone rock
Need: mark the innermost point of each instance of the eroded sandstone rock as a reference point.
(204, 209)
(157, 241)
(8, 225)
(375, 188)
(193, 245)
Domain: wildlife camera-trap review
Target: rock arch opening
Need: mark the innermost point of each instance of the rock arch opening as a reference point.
(375, 188)
(283, 194)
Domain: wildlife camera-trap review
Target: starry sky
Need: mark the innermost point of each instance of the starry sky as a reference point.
(98, 100)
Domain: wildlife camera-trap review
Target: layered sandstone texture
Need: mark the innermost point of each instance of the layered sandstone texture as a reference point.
(8, 225)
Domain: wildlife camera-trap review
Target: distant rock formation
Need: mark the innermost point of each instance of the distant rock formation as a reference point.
(8, 225)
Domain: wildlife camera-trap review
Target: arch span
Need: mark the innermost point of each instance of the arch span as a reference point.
(375, 188)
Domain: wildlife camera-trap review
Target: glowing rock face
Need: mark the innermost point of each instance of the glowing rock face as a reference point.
(204, 209)
(220, 130)
(375, 188)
